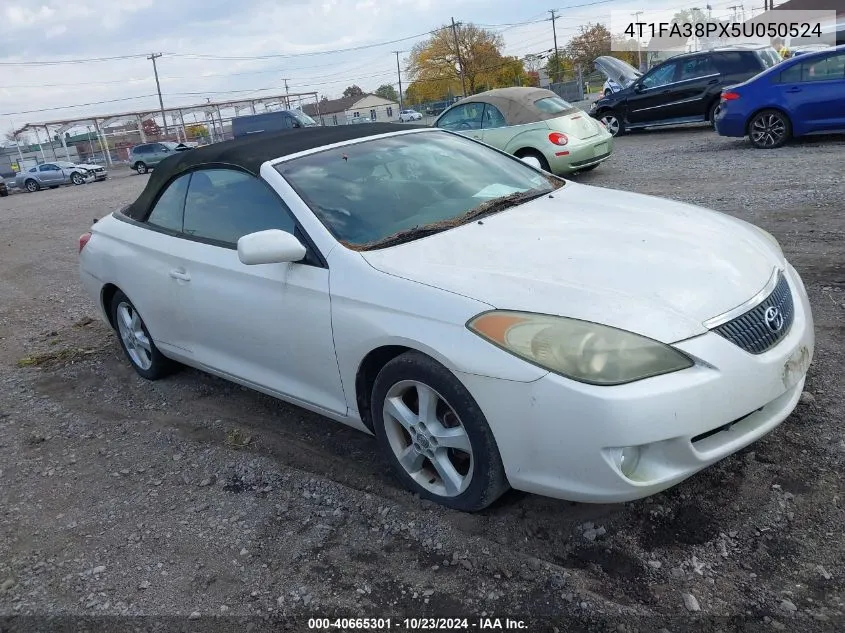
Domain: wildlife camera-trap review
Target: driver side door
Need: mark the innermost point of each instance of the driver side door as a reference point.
(651, 96)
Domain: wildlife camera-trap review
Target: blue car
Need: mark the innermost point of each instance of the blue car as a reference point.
(800, 96)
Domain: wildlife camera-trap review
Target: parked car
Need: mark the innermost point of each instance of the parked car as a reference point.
(801, 95)
(147, 155)
(270, 122)
(409, 115)
(533, 124)
(97, 171)
(683, 89)
(492, 324)
(52, 175)
(4, 188)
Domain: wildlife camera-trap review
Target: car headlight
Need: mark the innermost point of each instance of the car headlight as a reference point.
(580, 350)
(771, 239)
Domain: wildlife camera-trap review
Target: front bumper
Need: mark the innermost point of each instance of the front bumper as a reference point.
(562, 438)
(571, 158)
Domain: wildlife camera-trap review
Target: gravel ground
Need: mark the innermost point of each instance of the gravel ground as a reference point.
(191, 497)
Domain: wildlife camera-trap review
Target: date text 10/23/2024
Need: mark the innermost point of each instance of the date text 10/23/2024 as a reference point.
(418, 624)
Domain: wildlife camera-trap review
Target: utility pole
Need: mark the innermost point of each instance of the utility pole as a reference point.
(460, 59)
(639, 46)
(287, 99)
(399, 74)
(557, 54)
(153, 57)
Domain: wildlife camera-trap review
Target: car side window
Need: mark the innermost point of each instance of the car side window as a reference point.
(167, 212)
(48, 167)
(826, 69)
(493, 118)
(738, 63)
(225, 204)
(463, 117)
(697, 67)
(660, 76)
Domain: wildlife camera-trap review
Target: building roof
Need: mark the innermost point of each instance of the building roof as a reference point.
(331, 106)
(249, 153)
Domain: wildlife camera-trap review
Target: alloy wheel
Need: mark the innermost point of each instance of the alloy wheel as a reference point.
(77, 179)
(768, 130)
(428, 438)
(134, 337)
(611, 123)
(31, 186)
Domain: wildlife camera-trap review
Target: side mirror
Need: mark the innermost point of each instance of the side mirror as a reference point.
(638, 87)
(272, 246)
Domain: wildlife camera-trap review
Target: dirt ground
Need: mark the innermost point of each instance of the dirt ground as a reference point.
(193, 498)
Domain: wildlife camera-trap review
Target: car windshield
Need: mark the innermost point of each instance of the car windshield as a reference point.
(303, 118)
(385, 191)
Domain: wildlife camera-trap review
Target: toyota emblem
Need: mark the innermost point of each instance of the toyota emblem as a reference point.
(774, 319)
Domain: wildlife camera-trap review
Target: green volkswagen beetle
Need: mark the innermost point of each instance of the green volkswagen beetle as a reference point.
(533, 124)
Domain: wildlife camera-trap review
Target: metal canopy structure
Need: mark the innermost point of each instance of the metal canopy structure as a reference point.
(212, 112)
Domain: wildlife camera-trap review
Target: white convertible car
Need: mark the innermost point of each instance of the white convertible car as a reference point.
(491, 324)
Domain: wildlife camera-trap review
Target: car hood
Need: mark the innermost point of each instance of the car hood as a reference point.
(647, 265)
(616, 70)
(88, 166)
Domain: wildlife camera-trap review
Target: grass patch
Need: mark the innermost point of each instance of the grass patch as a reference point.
(56, 357)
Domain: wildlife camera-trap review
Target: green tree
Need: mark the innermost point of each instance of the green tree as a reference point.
(437, 61)
(559, 67)
(353, 91)
(689, 16)
(386, 91)
(592, 41)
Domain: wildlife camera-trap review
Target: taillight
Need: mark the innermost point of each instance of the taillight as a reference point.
(558, 138)
(83, 240)
(730, 96)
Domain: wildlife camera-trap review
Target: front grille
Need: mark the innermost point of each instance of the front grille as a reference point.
(762, 327)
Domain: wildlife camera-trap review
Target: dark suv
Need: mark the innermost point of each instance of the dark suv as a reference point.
(683, 89)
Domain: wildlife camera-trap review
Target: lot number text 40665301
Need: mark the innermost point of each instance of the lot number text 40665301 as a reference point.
(417, 624)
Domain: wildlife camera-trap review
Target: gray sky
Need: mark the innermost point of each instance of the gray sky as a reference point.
(197, 35)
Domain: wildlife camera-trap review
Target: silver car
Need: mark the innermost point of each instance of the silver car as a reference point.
(52, 175)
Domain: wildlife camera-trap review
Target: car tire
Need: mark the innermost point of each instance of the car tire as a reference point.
(448, 453)
(77, 178)
(136, 341)
(4, 193)
(612, 122)
(607, 92)
(712, 111)
(769, 129)
(140, 167)
(31, 185)
(542, 163)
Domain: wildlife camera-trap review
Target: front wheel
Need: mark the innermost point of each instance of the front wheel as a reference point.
(612, 123)
(435, 435)
(136, 341)
(141, 168)
(769, 129)
(76, 178)
(607, 92)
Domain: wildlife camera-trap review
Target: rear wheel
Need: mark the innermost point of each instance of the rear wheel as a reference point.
(136, 341)
(613, 123)
(140, 167)
(32, 186)
(713, 112)
(534, 158)
(607, 92)
(769, 129)
(434, 434)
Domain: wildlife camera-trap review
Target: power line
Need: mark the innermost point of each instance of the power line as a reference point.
(59, 62)
(77, 105)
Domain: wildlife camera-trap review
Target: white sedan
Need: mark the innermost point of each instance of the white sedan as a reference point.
(491, 324)
(410, 115)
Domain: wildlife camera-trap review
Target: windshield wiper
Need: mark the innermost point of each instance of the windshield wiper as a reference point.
(487, 208)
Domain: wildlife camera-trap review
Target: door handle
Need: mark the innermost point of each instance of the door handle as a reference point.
(179, 273)
(794, 89)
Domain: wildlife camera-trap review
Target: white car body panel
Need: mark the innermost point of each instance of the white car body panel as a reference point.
(647, 265)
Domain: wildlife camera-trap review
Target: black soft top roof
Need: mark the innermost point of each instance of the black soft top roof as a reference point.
(249, 154)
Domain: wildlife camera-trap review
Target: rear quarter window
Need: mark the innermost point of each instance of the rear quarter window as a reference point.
(738, 63)
(553, 105)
